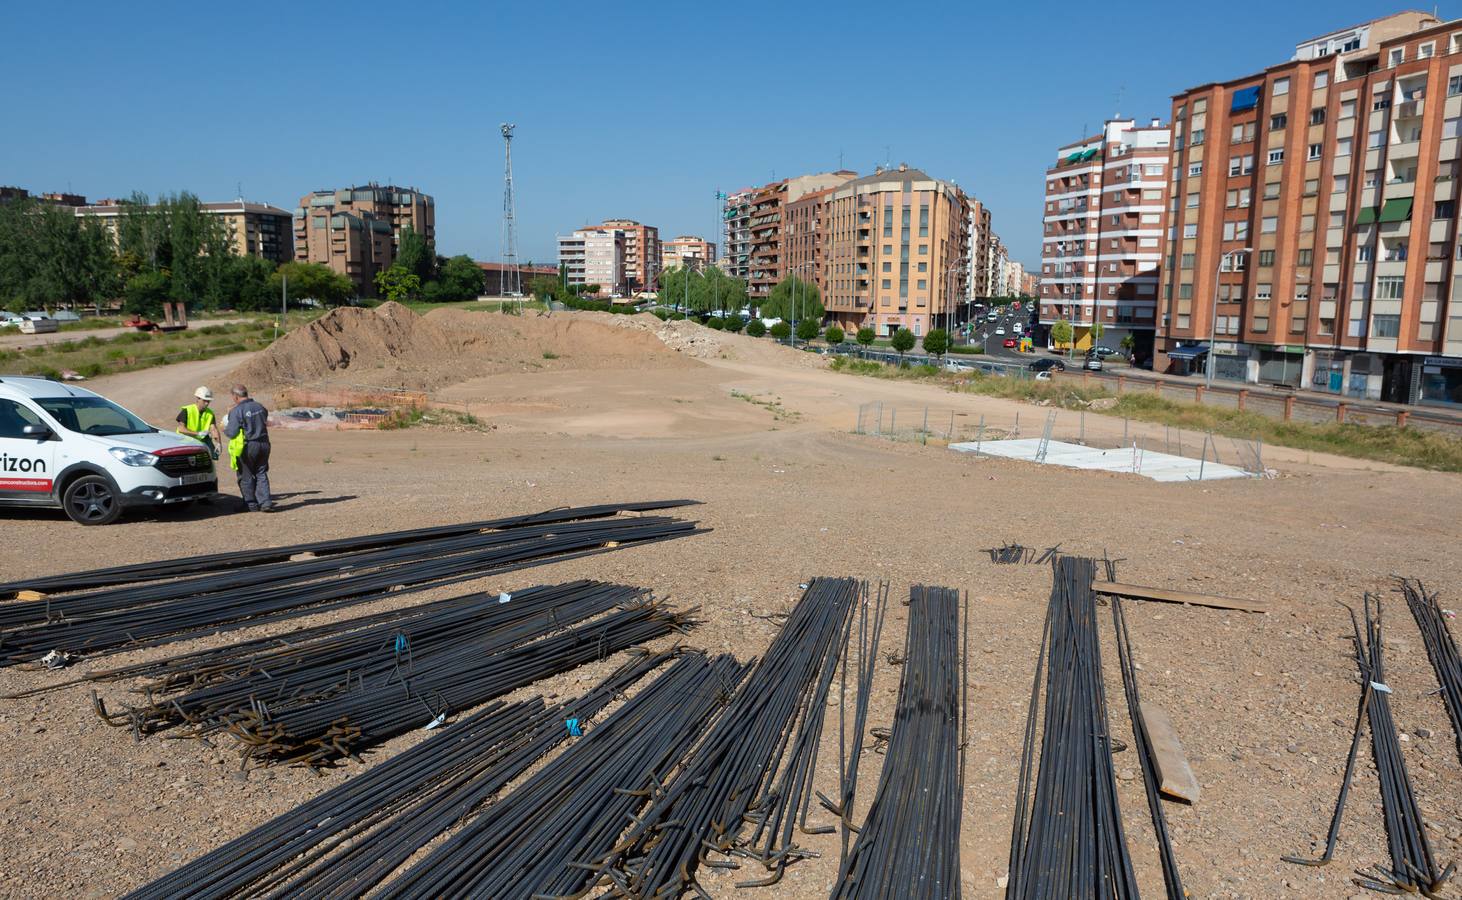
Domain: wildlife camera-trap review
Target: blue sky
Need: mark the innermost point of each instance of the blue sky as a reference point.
(622, 110)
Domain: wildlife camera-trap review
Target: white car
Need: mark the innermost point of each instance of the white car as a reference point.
(64, 446)
(1000, 330)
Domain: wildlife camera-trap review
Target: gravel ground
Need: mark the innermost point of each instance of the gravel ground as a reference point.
(1263, 703)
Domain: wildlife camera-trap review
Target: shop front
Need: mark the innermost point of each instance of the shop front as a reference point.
(1441, 381)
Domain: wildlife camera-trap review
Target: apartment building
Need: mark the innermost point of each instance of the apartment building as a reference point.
(687, 250)
(357, 230)
(978, 235)
(642, 253)
(895, 252)
(254, 229)
(594, 256)
(998, 263)
(802, 238)
(755, 219)
(1316, 245)
(1101, 251)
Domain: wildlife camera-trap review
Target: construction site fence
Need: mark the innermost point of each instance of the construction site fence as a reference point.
(1281, 405)
(943, 426)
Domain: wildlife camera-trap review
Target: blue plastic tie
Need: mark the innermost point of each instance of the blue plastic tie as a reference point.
(573, 726)
(401, 643)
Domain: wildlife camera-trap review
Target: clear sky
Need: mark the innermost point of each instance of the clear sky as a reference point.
(632, 110)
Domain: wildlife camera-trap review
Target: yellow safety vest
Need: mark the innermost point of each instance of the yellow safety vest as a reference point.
(198, 420)
(236, 449)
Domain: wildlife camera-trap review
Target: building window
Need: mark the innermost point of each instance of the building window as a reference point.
(1383, 326)
(1266, 258)
(1315, 150)
(1390, 287)
(1445, 209)
(1261, 324)
(1271, 190)
(1454, 85)
(1451, 127)
(1276, 156)
(887, 266)
(1269, 225)
(1235, 165)
(1263, 291)
(1342, 147)
(1197, 137)
(1363, 253)
(1305, 258)
(923, 267)
(887, 284)
(1398, 56)
(1321, 79)
(1185, 292)
(1192, 201)
(923, 284)
(1317, 116)
(1190, 230)
(1187, 260)
(1278, 121)
(1281, 86)
(1340, 185)
(1347, 109)
(1195, 170)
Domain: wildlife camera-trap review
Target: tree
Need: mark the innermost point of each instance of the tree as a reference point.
(311, 280)
(1128, 342)
(416, 256)
(1061, 333)
(782, 330)
(756, 327)
(461, 279)
(865, 336)
(806, 329)
(243, 283)
(834, 335)
(793, 295)
(936, 342)
(398, 283)
(903, 341)
(48, 256)
(1097, 330)
(735, 323)
(545, 287)
(146, 292)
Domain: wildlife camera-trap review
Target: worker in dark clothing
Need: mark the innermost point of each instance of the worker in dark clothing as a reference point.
(247, 430)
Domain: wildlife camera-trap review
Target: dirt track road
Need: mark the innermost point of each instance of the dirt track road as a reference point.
(12, 339)
(156, 393)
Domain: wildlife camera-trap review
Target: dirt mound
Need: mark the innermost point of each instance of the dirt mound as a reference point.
(699, 342)
(391, 346)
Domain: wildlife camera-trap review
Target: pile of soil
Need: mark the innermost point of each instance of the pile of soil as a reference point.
(391, 346)
(699, 342)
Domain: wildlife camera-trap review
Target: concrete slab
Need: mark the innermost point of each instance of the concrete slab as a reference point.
(1148, 464)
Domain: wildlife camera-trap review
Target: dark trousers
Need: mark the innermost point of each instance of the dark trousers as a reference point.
(254, 474)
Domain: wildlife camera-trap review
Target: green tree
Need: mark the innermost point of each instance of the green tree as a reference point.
(782, 330)
(415, 255)
(50, 257)
(756, 327)
(834, 335)
(903, 341)
(793, 295)
(312, 281)
(1128, 342)
(461, 279)
(865, 336)
(735, 323)
(1061, 332)
(1097, 330)
(545, 288)
(146, 292)
(398, 283)
(243, 283)
(936, 342)
(806, 329)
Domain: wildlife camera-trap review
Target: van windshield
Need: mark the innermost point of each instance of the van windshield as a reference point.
(93, 415)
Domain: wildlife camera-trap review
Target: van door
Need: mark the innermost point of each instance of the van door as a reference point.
(27, 463)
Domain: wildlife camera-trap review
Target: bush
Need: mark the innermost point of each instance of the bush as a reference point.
(716, 322)
(865, 336)
(734, 324)
(936, 341)
(807, 329)
(966, 348)
(661, 314)
(903, 341)
(756, 328)
(781, 331)
(834, 334)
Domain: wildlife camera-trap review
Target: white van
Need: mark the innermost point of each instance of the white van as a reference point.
(64, 446)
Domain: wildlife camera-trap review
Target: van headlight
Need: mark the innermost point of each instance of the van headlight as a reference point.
(132, 457)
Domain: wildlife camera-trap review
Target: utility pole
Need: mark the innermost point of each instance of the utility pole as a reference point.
(283, 302)
(510, 280)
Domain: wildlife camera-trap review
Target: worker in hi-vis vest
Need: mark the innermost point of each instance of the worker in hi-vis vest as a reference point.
(196, 420)
(247, 430)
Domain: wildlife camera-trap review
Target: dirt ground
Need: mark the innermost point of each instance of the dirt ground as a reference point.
(761, 435)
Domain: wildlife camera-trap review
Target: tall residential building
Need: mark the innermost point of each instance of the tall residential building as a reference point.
(998, 262)
(254, 229)
(802, 238)
(1313, 239)
(977, 235)
(1106, 200)
(641, 253)
(357, 230)
(896, 249)
(687, 250)
(755, 219)
(594, 256)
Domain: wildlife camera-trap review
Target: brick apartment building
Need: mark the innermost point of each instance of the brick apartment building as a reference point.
(755, 220)
(254, 229)
(802, 237)
(357, 230)
(687, 250)
(895, 251)
(1317, 200)
(979, 235)
(1101, 251)
(641, 254)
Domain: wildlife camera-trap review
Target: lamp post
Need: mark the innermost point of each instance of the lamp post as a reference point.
(1213, 313)
(949, 314)
(792, 273)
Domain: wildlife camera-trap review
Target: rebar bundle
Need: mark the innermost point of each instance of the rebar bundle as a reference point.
(1009, 554)
(1413, 864)
(1441, 649)
(909, 845)
(358, 832)
(529, 843)
(754, 765)
(240, 682)
(870, 619)
(1067, 840)
(153, 614)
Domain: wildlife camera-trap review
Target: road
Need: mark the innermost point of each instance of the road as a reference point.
(11, 339)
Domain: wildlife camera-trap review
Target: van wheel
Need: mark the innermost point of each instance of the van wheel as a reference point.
(90, 500)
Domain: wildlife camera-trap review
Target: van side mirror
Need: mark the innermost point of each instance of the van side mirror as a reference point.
(39, 432)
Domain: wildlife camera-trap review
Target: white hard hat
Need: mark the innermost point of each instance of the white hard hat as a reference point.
(203, 393)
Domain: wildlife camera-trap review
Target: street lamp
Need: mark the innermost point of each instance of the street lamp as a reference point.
(949, 315)
(792, 273)
(1213, 313)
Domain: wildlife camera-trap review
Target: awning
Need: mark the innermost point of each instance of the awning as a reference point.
(1090, 153)
(1367, 216)
(1075, 157)
(1244, 98)
(1188, 352)
(1397, 210)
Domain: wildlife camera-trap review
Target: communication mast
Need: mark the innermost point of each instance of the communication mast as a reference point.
(510, 280)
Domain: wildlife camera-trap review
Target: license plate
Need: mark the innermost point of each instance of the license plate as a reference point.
(197, 477)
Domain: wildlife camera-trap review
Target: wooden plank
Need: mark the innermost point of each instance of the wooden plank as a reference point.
(1138, 592)
(1174, 777)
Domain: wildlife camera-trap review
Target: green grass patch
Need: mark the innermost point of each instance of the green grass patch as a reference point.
(95, 356)
(966, 349)
(442, 418)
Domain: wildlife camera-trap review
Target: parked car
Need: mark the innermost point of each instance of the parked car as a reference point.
(65, 315)
(1047, 364)
(1000, 329)
(1103, 352)
(1009, 342)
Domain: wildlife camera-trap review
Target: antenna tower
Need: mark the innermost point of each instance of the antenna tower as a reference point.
(510, 280)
